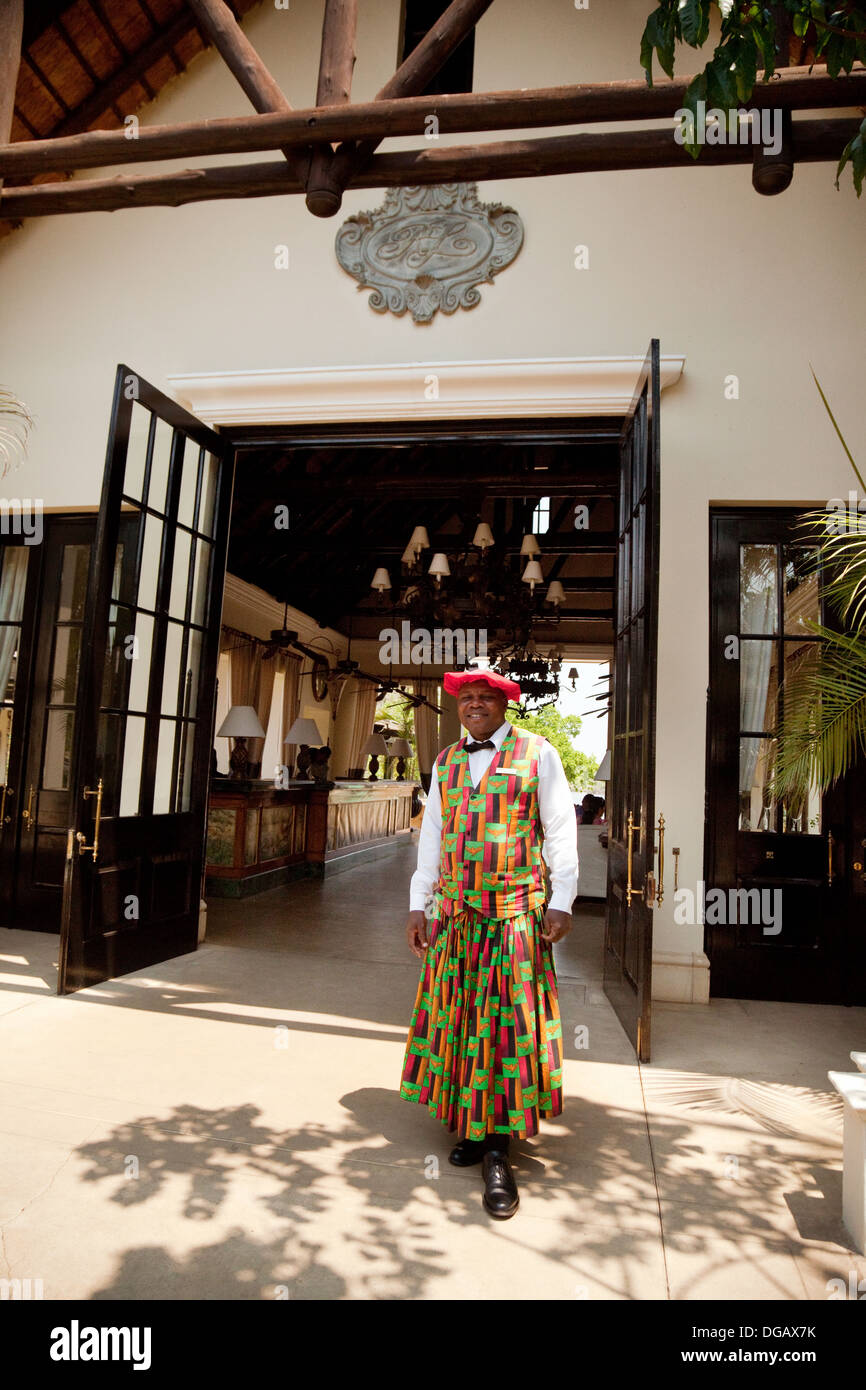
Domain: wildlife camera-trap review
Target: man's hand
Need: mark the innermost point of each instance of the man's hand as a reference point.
(558, 924)
(416, 932)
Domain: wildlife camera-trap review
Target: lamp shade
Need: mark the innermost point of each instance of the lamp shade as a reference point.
(530, 546)
(419, 540)
(533, 573)
(375, 747)
(304, 731)
(555, 592)
(381, 580)
(603, 774)
(439, 565)
(241, 722)
(483, 535)
(399, 748)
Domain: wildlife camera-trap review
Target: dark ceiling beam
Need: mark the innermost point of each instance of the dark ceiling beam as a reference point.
(219, 24)
(472, 112)
(119, 46)
(410, 79)
(814, 141)
(11, 29)
(361, 543)
(431, 488)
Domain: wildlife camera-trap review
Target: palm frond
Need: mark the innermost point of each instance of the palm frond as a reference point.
(850, 456)
(16, 423)
(824, 722)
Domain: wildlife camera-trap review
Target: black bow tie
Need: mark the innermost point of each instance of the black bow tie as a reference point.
(476, 747)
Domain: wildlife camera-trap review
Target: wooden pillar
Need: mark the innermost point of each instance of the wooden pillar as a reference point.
(11, 28)
(449, 722)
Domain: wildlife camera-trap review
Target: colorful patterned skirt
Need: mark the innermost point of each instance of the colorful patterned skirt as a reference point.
(484, 1052)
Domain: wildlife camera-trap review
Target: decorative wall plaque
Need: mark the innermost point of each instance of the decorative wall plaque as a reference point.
(428, 248)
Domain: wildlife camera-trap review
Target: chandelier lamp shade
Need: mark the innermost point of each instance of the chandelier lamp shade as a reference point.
(381, 580)
(555, 593)
(439, 566)
(533, 575)
(419, 540)
(240, 723)
(529, 546)
(483, 536)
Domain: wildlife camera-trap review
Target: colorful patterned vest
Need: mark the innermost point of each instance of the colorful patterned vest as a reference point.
(491, 835)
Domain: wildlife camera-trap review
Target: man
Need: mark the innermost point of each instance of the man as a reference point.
(484, 1051)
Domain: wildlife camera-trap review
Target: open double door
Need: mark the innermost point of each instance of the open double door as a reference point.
(145, 693)
(139, 747)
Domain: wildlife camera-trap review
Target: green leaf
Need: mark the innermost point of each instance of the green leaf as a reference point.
(848, 453)
(691, 21)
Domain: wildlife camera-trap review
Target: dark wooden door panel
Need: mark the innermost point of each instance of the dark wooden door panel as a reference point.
(796, 937)
(628, 933)
(146, 691)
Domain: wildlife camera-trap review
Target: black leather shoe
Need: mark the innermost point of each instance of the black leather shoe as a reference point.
(467, 1152)
(500, 1190)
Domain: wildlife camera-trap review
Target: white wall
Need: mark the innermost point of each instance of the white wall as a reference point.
(755, 287)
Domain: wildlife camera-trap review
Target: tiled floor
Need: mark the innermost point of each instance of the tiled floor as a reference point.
(227, 1125)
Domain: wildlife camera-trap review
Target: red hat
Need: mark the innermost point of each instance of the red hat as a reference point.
(453, 680)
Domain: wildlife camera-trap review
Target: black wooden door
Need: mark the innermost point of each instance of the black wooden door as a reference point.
(631, 790)
(146, 690)
(46, 796)
(783, 890)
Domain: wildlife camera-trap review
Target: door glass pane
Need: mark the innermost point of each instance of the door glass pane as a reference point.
(136, 453)
(140, 656)
(203, 550)
(64, 672)
(164, 757)
(208, 495)
(188, 482)
(150, 563)
(73, 583)
(758, 593)
(133, 754)
(193, 662)
(13, 581)
(185, 769)
(57, 756)
(802, 604)
(158, 490)
(171, 669)
(179, 574)
(757, 809)
(759, 685)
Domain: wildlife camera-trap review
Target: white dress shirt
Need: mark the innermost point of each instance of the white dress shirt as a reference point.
(555, 808)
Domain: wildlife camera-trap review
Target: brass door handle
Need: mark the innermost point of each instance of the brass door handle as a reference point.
(661, 889)
(27, 814)
(6, 791)
(629, 891)
(80, 835)
(831, 845)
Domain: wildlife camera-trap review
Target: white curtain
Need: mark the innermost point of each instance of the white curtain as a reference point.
(426, 726)
(291, 708)
(363, 697)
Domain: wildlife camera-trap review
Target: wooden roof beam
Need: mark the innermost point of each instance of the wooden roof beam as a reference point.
(467, 112)
(336, 66)
(220, 26)
(814, 141)
(410, 79)
(11, 29)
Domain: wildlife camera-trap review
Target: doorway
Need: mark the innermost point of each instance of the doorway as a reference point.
(788, 922)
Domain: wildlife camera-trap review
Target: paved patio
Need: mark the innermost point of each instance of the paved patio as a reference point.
(227, 1125)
